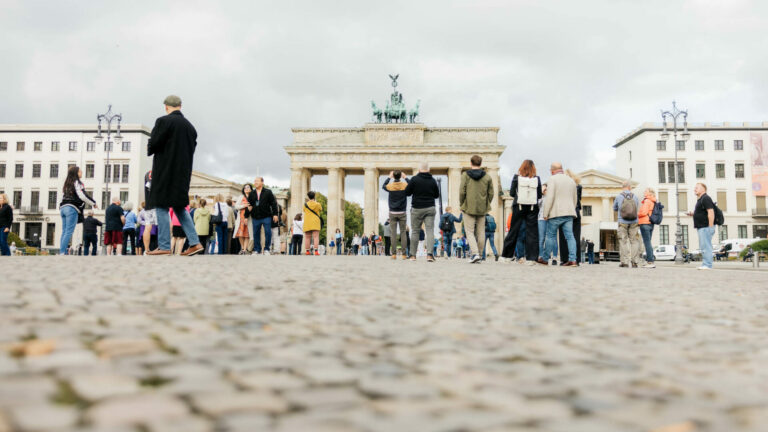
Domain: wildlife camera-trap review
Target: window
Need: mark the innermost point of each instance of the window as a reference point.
(52, 200)
(630, 155)
(742, 231)
(123, 196)
(662, 172)
(36, 170)
(661, 145)
(723, 232)
(89, 170)
(50, 233)
(586, 210)
(741, 201)
(664, 200)
(2, 170)
(54, 170)
(664, 234)
(90, 146)
(722, 200)
(20, 146)
(671, 171)
(19, 170)
(719, 145)
(699, 144)
(700, 171)
(3, 146)
(90, 194)
(738, 145)
(685, 235)
(38, 146)
(125, 173)
(107, 173)
(720, 170)
(630, 173)
(73, 146)
(104, 199)
(16, 199)
(681, 172)
(680, 144)
(739, 170)
(127, 148)
(107, 146)
(760, 231)
(760, 203)
(116, 173)
(682, 199)
(34, 199)
(54, 146)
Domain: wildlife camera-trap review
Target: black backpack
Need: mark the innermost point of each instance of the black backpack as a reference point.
(656, 215)
(446, 225)
(719, 218)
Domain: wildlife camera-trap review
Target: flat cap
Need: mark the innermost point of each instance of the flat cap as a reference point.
(173, 101)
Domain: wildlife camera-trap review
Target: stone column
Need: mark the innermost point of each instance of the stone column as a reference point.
(296, 195)
(371, 217)
(607, 215)
(454, 182)
(304, 184)
(334, 203)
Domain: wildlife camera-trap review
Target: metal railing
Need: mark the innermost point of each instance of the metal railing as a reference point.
(760, 212)
(25, 210)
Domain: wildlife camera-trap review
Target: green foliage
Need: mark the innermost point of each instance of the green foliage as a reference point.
(758, 246)
(13, 237)
(353, 220)
(323, 200)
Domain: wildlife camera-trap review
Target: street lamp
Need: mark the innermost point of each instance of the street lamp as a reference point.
(674, 115)
(108, 118)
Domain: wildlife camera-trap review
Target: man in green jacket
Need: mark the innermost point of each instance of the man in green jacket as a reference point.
(475, 196)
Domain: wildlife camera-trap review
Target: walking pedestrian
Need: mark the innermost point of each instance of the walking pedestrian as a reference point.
(297, 234)
(559, 210)
(364, 245)
(129, 229)
(447, 226)
(475, 195)
(490, 234)
(113, 227)
(172, 143)
(526, 191)
(6, 221)
(263, 207)
(395, 185)
(74, 198)
(355, 244)
(243, 221)
(202, 220)
(646, 227)
(90, 235)
(704, 222)
(339, 241)
(423, 191)
(627, 205)
(313, 223)
(576, 223)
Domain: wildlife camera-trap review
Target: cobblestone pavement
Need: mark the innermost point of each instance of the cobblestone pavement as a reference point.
(172, 344)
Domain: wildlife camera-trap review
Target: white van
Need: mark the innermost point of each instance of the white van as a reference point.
(734, 246)
(664, 253)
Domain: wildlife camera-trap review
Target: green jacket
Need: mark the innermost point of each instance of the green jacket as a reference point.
(476, 192)
(202, 221)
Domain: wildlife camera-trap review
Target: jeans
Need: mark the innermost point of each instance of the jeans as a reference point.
(542, 238)
(591, 257)
(705, 245)
(646, 230)
(489, 237)
(129, 234)
(364, 250)
(576, 236)
(164, 227)
(447, 243)
(90, 240)
(68, 224)
(338, 247)
(4, 249)
(257, 224)
(420, 216)
(566, 222)
(222, 235)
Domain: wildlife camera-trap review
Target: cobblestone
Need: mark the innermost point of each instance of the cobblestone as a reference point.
(218, 343)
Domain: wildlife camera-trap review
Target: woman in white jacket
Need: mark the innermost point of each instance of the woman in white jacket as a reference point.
(242, 231)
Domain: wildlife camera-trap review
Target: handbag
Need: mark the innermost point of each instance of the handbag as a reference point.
(313, 212)
(217, 218)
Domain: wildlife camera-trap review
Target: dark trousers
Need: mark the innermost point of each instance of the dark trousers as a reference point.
(204, 242)
(528, 215)
(222, 237)
(296, 241)
(387, 245)
(90, 240)
(576, 236)
(129, 234)
(257, 224)
(4, 249)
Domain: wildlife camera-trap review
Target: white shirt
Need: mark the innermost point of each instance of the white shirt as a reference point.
(224, 210)
(298, 227)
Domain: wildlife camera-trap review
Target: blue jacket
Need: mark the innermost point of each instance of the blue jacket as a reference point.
(130, 220)
(453, 219)
(617, 206)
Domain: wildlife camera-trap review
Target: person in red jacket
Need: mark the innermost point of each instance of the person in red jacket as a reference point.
(646, 227)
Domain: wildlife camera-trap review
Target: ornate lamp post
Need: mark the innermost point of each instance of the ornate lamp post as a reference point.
(108, 117)
(674, 115)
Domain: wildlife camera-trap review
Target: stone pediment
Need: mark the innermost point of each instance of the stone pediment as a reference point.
(201, 180)
(595, 178)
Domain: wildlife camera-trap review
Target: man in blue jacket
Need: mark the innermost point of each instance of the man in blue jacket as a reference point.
(447, 221)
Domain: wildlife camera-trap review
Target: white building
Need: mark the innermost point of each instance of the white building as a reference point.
(34, 160)
(731, 159)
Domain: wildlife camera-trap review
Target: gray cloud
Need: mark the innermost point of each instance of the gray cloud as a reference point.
(558, 78)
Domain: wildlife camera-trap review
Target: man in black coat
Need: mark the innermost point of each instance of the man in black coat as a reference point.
(172, 142)
(263, 208)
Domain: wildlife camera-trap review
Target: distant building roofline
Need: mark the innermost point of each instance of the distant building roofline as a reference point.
(84, 127)
(705, 126)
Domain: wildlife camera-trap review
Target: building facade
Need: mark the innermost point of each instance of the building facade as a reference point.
(34, 160)
(730, 159)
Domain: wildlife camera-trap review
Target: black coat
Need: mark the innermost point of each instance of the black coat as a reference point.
(173, 143)
(267, 206)
(423, 191)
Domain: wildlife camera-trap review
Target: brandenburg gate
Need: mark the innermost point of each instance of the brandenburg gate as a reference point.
(380, 147)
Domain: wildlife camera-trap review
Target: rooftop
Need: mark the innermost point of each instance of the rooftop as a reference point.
(694, 126)
(84, 127)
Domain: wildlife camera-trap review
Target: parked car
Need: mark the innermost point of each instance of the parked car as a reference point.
(663, 253)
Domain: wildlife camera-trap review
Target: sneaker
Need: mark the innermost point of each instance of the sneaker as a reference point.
(430, 258)
(649, 265)
(703, 268)
(307, 253)
(266, 252)
(316, 253)
(623, 265)
(394, 257)
(412, 258)
(475, 259)
(554, 262)
(570, 264)
(405, 257)
(531, 263)
(634, 265)
(497, 257)
(522, 260)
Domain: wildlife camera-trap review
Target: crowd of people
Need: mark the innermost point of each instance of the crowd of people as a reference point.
(545, 217)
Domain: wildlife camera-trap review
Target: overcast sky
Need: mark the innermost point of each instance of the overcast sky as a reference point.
(561, 78)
